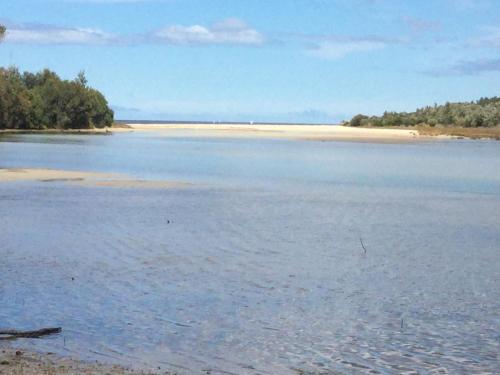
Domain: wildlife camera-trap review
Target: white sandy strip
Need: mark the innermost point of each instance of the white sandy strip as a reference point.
(310, 132)
(84, 178)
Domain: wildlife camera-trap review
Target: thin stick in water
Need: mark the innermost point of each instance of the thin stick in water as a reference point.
(362, 244)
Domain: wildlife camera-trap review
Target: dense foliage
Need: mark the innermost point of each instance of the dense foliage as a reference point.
(43, 100)
(484, 112)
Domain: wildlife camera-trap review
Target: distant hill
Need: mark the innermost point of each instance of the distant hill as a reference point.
(484, 112)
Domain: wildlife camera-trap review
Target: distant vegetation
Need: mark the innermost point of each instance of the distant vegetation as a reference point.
(43, 100)
(484, 112)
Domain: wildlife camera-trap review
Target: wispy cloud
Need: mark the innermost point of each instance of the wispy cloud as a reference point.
(334, 50)
(419, 25)
(229, 31)
(468, 5)
(115, 1)
(47, 34)
(489, 39)
(467, 68)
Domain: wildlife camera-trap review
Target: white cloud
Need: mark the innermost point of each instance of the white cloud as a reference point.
(229, 31)
(43, 34)
(334, 50)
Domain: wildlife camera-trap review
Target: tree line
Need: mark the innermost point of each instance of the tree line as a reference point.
(43, 100)
(484, 112)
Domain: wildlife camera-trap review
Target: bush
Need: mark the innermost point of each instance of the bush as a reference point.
(357, 120)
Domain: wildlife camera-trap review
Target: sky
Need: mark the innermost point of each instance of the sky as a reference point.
(308, 61)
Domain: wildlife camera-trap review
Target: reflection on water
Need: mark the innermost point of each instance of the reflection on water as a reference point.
(259, 268)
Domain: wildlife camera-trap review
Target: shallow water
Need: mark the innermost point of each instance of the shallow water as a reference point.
(259, 267)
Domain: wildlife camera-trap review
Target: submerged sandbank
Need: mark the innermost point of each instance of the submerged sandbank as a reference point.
(134, 184)
(48, 175)
(95, 179)
(297, 132)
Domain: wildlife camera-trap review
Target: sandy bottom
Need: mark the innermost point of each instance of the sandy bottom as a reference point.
(301, 132)
(19, 362)
(90, 179)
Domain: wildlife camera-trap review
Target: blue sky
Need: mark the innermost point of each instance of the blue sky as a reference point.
(261, 60)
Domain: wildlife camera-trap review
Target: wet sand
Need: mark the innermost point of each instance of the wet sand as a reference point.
(90, 179)
(20, 362)
(297, 132)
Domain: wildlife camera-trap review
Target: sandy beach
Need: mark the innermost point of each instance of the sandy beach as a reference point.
(112, 180)
(294, 132)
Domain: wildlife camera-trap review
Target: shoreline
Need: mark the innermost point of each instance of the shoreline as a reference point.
(96, 131)
(19, 361)
(451, 132)
(304, 132)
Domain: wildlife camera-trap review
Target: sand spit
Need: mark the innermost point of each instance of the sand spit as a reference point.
(298, 132)
(95, 179)
(19, 362)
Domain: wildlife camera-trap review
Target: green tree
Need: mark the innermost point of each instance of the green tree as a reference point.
(484, 112)
(357, 120)
(41, 100)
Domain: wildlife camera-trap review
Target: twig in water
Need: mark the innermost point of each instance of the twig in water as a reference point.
(362, 244)
(12, 334)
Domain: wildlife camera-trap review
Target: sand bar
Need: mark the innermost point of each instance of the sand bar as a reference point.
(96, 179)
(298, 132)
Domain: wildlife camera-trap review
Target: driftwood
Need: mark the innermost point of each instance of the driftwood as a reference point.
(12, 334)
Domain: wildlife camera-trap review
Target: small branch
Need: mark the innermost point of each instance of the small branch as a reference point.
(362, 244)
(12, 334)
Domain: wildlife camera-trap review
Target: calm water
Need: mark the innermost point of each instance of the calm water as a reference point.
(258, 268)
